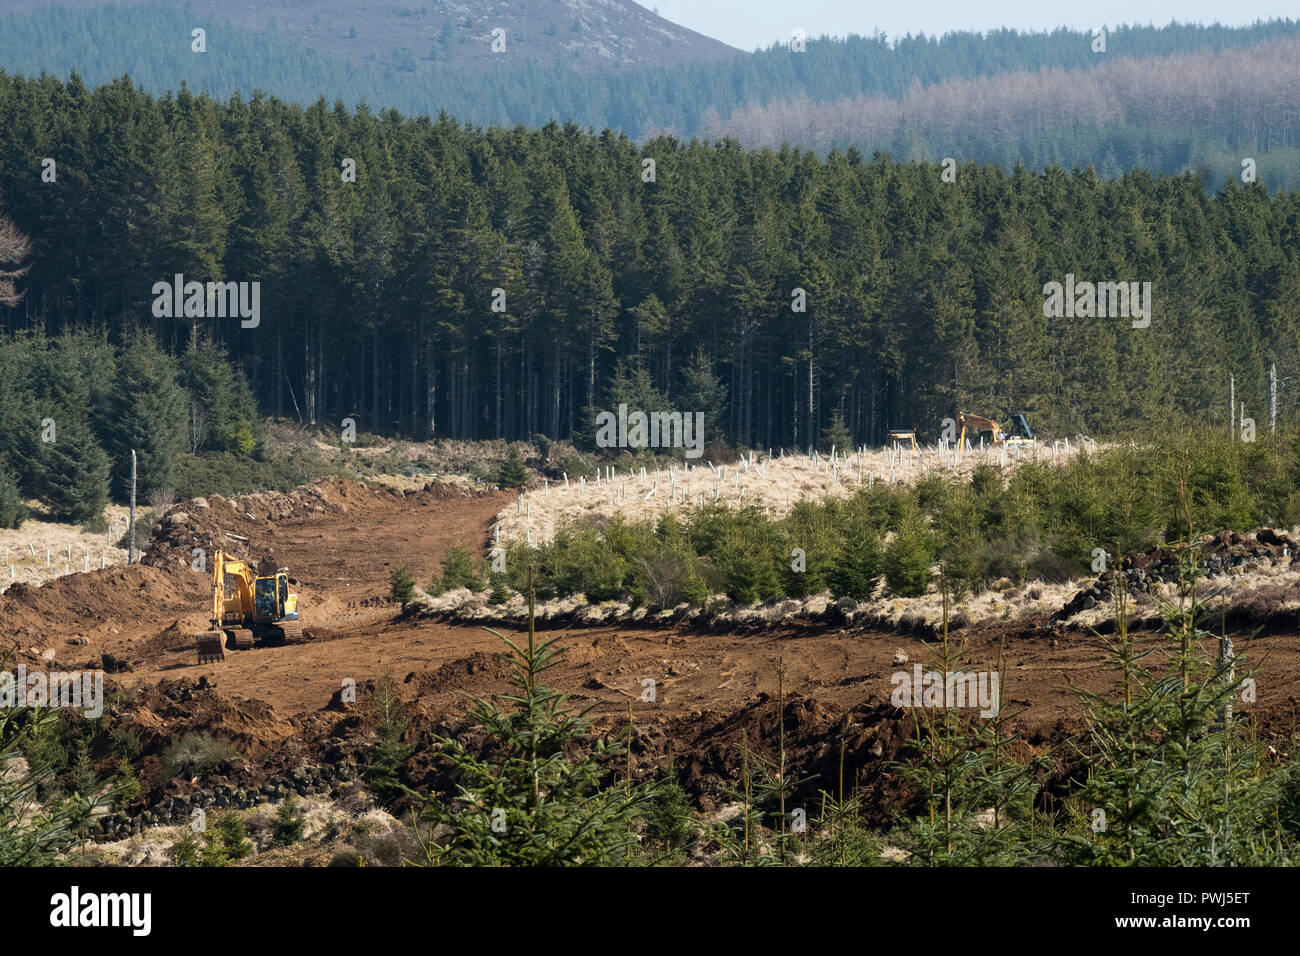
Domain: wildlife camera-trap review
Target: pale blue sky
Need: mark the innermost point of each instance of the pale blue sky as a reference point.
(751, 23)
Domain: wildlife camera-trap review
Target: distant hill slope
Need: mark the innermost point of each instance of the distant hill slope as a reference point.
(417, 35)
(1201, 111)
(915, 97)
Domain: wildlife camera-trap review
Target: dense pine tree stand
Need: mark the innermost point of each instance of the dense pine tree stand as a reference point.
(485, 283)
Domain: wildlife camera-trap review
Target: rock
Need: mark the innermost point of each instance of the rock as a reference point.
(900, 656)
(727, 813)
(111, 664)
(816, 605)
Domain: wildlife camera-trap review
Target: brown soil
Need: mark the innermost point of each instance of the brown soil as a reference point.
(341, 541)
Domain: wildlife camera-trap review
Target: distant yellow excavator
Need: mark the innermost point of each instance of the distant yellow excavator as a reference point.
(992, 432)
(260, 608)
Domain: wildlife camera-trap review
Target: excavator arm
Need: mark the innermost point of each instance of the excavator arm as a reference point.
(211, 645)
(978, 423)
(1019, 435)
(224, 568)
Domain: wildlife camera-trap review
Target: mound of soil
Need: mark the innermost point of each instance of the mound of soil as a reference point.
(1224, 553)
(239, 525)
(173, 708)
(463, 673)
(94, 604)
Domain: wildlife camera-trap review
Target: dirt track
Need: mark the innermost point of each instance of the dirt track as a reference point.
(343, 546)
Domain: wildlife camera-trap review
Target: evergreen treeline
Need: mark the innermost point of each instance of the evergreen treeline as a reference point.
(923, 298)
(152, 43)
(72, 409)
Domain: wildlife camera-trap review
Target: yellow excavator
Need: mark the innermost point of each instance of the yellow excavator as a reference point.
(258, 609)
(993, 433)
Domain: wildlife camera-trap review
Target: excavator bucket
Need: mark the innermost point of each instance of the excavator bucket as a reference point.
(211, 647)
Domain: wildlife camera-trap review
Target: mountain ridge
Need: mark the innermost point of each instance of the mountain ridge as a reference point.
(585, 34)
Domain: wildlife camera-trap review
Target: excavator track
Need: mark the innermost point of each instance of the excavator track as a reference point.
(278, 634)
(241, 638)
(291, 633)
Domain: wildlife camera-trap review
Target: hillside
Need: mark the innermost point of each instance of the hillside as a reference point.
(395, 469)
(413, 36)
(1200, 111)
(614, 65)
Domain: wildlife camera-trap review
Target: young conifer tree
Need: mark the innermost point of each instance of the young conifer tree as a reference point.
(839, 838)
(529, 796)
(513, 473)
(976, 799)
(1176, 776)
(34, 827)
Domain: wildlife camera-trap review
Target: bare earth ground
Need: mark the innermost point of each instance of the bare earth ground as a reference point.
(344, 545)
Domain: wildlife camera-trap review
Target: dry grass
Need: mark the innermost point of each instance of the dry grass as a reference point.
(440, 457)
(381, 838)
(775, 484)
(417, 481)
(23, 550)
(1001, 603)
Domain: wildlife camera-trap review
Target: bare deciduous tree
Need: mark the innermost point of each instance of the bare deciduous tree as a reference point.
(1244, 96)
(160, 500)
(15, 247)
(198, 426)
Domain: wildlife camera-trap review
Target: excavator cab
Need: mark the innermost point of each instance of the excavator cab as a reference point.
(272, 600)
(266, 598)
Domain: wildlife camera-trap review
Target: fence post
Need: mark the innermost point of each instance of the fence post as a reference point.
(130, 554)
